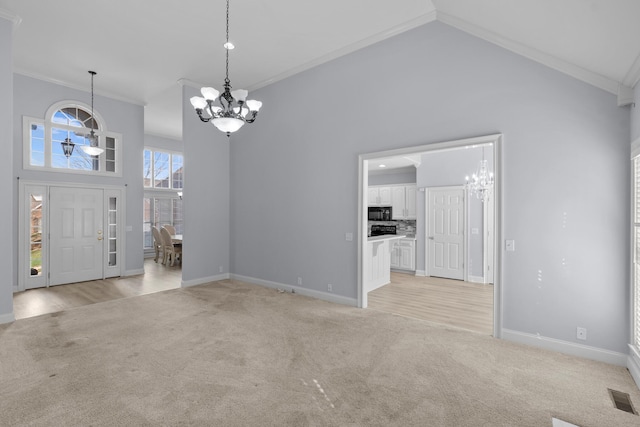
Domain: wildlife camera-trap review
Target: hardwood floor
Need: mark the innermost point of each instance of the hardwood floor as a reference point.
(35, 302)
(451, 302)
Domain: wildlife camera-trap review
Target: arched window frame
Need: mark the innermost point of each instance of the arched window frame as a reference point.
(40, 133)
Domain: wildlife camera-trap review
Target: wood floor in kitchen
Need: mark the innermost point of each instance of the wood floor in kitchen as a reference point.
(451, 302)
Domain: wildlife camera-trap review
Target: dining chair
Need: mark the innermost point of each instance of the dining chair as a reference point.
(157, 244)
(171, 251)
(170, 228)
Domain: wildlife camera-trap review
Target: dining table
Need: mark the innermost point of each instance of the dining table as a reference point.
(176, 239)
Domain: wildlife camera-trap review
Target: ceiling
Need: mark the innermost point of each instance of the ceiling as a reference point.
(141, 51)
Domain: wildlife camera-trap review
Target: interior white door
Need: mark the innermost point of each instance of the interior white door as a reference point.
(446, 233)
(76, 229)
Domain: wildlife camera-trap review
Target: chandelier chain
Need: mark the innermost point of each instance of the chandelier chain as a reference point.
(226, 46)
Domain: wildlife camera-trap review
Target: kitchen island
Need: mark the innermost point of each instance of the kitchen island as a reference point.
(378, 259)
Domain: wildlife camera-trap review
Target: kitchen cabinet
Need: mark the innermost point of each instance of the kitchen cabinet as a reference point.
(403, 201)
(378, 272)
(380, 196)
(403, 254)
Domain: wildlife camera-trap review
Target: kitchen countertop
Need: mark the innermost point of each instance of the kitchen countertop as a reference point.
(385, 237)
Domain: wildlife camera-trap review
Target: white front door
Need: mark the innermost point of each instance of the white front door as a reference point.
(446, 233)
(77, 234)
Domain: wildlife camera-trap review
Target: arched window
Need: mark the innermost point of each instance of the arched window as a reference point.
(56, 142)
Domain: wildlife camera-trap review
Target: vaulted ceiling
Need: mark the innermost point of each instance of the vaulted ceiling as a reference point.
(141, 49)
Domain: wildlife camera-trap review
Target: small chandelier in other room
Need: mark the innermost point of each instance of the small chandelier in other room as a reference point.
(229, 110)
(481, 183)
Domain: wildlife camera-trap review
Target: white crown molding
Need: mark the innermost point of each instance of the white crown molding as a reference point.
(572, 70)
(189, 83)
(77, 87)
(406, 26)
(10, 16)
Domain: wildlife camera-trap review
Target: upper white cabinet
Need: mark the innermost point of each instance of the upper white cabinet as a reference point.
(380, 196)
(403, 201)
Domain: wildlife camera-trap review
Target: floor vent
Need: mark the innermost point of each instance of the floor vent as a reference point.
(622, 401)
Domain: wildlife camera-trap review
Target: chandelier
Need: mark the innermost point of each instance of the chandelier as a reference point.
(481, 183)
(229, 110)
(92, 149)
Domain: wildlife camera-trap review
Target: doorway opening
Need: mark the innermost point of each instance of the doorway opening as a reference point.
(441, 168)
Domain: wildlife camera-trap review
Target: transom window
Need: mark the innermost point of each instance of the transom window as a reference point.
(163, 169)
(70, 123)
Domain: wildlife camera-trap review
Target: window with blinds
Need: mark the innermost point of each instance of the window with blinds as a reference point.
(636, 252)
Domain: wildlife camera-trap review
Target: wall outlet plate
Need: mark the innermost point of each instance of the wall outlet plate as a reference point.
(581, 333)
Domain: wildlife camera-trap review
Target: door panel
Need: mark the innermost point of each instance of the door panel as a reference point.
(76, 234)
(446, 233)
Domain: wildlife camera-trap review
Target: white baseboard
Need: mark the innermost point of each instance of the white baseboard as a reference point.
(326, 296)
(421, 273)
(476, 279)
(633, 364)
(203, 280)
(136, 272)
(7, 318)
(566, 347)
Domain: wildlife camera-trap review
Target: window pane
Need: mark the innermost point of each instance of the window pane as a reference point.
(177, 216)
(177, 168)
(162, 212)
(146, 223)
(37, 145)
(161, 170)
(35, 240)
(111, 230)
(146, 168)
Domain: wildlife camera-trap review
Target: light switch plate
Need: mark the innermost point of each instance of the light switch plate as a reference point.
(510, 245)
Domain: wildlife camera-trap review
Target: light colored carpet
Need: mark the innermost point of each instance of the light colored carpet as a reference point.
(232, 354)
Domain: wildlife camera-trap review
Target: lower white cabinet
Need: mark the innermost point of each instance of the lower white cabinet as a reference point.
(378, 272)
(403, 254)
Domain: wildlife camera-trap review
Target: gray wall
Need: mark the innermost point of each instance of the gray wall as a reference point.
(163, 143)
(7, 183)
(33, 97)
(294, 178)
(205, 201)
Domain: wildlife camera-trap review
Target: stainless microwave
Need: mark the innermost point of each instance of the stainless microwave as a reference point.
(379, 213)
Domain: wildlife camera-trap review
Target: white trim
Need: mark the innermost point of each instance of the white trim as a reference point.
(203, 280)
(7, 318)
(496, 140)
(298, 290)
(421, 273)
(10, 16)
(566, 347)
(633, 364)
(135, 272)
(476, 279)
(557, 64)
(78, 87)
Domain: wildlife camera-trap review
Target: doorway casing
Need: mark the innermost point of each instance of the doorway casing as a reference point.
(363, 183)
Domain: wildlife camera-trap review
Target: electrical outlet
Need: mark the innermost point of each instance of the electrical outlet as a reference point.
(330, 287)
(348, 237)
(581, 333)
(299, 280)
(220, 269)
